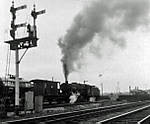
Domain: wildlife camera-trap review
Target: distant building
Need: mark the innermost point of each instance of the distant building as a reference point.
(138, 91)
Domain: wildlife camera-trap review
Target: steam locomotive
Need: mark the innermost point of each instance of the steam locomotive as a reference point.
(52, 91)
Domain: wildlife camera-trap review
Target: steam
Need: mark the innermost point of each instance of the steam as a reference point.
(107, 19)
(73, 98)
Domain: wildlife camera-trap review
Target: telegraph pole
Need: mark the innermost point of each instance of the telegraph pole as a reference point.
(21, 43)
(102, 88)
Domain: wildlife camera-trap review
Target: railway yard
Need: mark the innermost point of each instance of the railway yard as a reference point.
(69, 101)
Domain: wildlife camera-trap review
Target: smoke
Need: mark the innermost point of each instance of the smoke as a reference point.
(65, 67)
(107, 19)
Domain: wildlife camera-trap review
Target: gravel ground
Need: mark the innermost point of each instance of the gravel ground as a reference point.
(56, 110)
(103, 117)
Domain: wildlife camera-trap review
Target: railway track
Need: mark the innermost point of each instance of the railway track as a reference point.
(75, 104)
(46, 106)
(78, 115)
(138, 116)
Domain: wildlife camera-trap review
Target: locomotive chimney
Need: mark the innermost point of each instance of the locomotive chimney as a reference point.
(65, 72)
(66, 79)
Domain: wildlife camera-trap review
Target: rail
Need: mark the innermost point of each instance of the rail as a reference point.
(74, 114)
(145, 120)
(107, 121)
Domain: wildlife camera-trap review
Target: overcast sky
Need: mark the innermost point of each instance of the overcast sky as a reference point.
(120, 50)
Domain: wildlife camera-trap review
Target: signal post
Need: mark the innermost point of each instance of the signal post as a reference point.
(21, 43)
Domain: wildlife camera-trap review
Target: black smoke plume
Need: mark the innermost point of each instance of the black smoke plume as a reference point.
(65, 72)
(107, 19)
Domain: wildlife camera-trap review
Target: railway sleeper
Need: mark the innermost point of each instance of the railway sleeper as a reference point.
(128, 120)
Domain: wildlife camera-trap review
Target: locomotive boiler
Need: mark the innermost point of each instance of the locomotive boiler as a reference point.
(83, 92)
